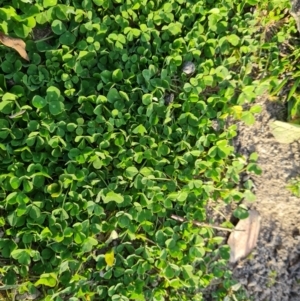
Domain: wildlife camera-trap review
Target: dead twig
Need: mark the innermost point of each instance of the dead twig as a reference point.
(199, 224)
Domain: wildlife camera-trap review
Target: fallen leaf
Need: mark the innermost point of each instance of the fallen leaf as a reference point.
(17, 114)
(243, 241)
(285, 132)
(15, 43)
(113, 235)
(110, 258)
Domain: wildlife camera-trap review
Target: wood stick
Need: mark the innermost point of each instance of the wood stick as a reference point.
(199, 224)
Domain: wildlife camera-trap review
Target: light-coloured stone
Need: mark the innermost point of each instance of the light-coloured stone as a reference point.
(188, 68)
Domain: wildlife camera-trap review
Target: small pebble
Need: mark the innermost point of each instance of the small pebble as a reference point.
(252, 281)
(188, 68)
(169, 99)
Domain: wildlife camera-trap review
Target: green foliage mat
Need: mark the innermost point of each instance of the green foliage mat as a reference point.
(103, 137)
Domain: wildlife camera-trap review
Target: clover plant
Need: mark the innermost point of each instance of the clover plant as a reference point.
(104, 135)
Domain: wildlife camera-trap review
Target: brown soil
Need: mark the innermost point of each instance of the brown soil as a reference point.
(272, 271)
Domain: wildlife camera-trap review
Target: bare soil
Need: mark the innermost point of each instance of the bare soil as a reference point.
(272, 271)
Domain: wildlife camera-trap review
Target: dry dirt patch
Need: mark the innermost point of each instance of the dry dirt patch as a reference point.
(272, 271)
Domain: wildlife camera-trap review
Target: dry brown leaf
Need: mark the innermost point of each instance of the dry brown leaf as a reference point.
(15, 43)
(243, 241)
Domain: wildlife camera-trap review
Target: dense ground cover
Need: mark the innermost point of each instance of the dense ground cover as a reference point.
(117, 122)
